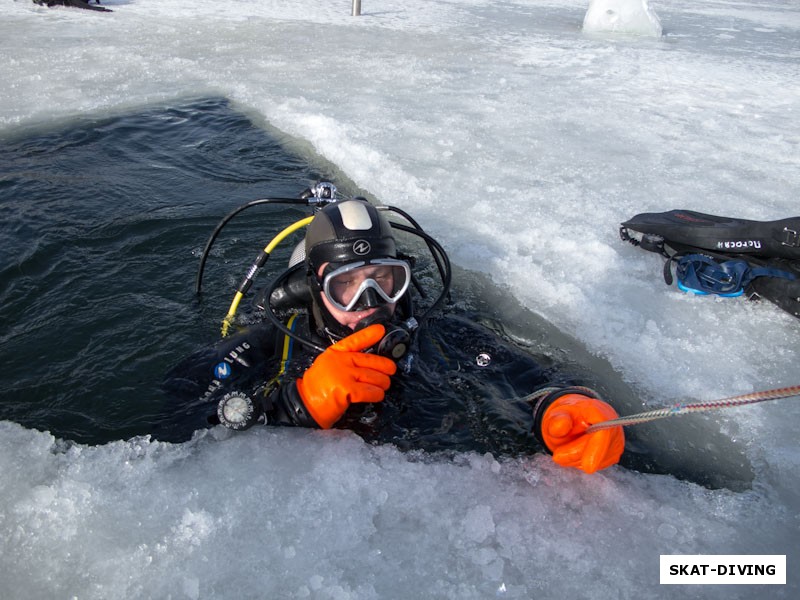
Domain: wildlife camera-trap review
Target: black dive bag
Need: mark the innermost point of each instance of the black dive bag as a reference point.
(724, 256)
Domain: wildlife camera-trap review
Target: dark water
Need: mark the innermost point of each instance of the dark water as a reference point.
(104, 224)
(100, 241)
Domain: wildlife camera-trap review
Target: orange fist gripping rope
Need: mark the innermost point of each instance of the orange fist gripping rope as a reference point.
(343, 374)
(563, 431)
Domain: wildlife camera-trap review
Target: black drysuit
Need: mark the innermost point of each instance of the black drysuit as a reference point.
(461, 387)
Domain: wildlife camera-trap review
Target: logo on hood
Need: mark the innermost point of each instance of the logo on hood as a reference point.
(362, 247)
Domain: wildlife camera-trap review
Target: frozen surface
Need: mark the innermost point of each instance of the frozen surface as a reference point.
(521, 142)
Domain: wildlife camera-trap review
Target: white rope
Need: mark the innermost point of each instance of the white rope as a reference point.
(680, 409)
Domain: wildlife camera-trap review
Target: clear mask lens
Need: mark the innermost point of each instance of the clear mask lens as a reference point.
(388, 278)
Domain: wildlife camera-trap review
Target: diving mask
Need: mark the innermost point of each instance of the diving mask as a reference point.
(366, 283)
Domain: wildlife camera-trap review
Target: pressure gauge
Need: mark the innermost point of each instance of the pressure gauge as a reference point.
(237, 411)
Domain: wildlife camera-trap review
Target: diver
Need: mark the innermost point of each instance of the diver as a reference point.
(349, 351)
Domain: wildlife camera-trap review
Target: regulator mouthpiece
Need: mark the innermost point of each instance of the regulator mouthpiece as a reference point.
(396, 342)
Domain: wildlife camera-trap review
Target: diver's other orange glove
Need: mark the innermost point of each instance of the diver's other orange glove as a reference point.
(562, 428)
(344, 374)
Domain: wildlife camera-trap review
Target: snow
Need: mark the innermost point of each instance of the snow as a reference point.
(520, 137)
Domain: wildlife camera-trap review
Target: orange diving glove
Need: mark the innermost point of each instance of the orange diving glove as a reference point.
(344, 374)
(561, 419)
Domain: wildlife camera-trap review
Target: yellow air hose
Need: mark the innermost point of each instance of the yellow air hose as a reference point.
(251, 272)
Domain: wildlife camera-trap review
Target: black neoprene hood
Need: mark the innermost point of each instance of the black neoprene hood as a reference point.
(348, 231)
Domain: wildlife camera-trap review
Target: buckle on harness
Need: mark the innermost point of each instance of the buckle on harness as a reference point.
(791, 238)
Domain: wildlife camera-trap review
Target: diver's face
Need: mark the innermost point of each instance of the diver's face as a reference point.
(345, 288)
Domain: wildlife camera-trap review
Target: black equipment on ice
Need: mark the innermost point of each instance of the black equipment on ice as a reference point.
(724, 256)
